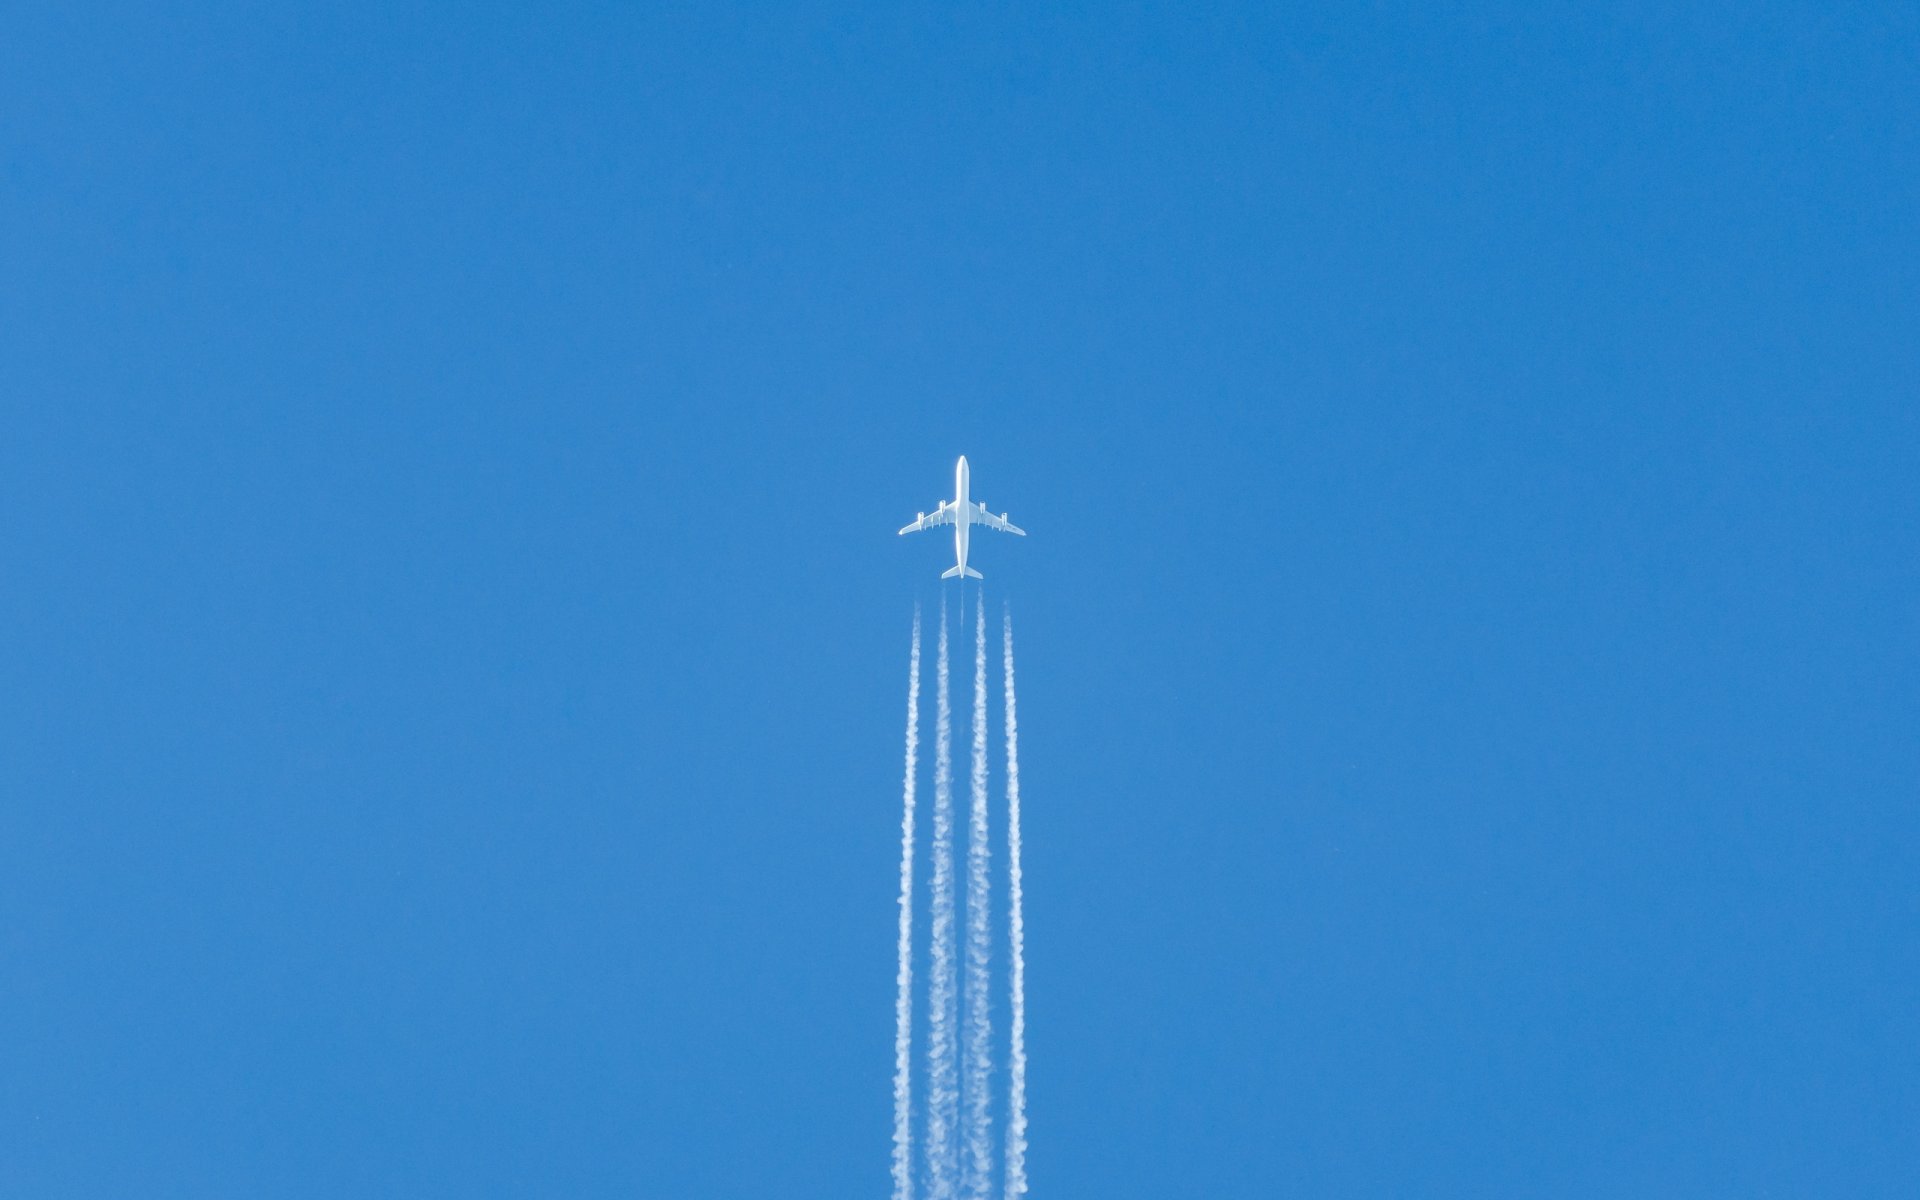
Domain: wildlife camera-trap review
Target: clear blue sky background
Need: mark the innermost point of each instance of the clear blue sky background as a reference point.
(453, 637)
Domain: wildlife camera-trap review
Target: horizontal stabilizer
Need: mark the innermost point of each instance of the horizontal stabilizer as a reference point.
(969, 572)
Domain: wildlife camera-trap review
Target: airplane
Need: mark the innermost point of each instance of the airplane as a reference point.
(962, 513)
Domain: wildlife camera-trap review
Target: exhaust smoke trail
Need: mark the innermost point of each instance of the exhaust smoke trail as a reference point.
(1016, 1181)
(978, 1176)
(942, 1090)
(903, 977)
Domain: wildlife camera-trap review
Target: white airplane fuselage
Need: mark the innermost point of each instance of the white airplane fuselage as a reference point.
(962, 510)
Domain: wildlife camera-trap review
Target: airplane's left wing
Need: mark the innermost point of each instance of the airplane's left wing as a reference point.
(982, 517)
(939, 516)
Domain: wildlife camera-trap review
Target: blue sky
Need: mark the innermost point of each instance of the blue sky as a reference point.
(454, 640)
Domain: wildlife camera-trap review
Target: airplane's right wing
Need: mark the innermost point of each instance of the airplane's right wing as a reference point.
(982, 517)
(939, 516)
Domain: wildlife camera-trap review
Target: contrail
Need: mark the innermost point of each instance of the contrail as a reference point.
(1017, 930)
(942, 1093)
(903, 977)
(978, 1176)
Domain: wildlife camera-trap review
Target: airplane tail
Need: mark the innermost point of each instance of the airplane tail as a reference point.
(969, 572)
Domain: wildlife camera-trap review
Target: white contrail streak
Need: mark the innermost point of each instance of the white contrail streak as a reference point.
(978, 1174)
(942, 1092)
(903, 977)
(1016, 926)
